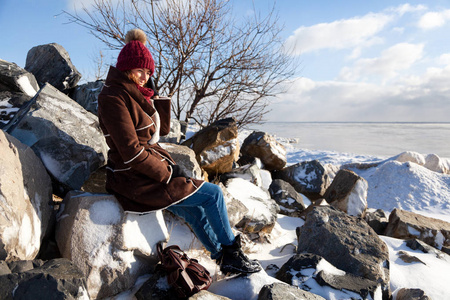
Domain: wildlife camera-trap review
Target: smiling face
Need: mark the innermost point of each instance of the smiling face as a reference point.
(140, 75)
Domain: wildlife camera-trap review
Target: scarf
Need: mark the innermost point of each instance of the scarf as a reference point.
(147, 92)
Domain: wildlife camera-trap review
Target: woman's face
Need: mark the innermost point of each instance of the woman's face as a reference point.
(141, 75)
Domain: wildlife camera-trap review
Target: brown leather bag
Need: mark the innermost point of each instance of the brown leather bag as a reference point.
(184, 274)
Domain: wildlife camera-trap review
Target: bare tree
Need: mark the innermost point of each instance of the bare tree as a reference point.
(100, 66)
(211, 64)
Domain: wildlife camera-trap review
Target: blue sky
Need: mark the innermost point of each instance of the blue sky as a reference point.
(360, 60)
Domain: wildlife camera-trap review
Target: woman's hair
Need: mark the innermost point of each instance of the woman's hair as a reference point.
(131, 76)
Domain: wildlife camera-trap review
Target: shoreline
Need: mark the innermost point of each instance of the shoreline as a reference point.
(363, 139)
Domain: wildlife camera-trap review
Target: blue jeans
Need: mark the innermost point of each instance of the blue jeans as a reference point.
(206, 213)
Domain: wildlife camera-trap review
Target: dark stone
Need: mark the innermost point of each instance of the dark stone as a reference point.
(265, 147)
(348, 243)
(425, 248)
(411, 294)
(51, 63)
(407, 258)
(96, 182)
(65, 136)
(156, 288)
(377, 220)
(309, 178)
(55, 279)
(87, 94)
(289, 200)
(280, 291)
(364, 287)
(20, 266)
(4, 269)
(295, 265)
(12, 102)
(12, 79)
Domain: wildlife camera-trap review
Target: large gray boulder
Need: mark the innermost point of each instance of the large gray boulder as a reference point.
(10, 103)
(65, 136)
(310, 178)
(348, 193)
(15, 79)
(287, 198)
(262, 210)
(51, 63)
(185, 157)
(282, 291)
(17, 86)
(236, 209)
(216, 147)
(408, 225)
(265, 147)
(111, 247)
(26, 193)
(307, 270)
(349, 245)
(55, 279)
(87, 95)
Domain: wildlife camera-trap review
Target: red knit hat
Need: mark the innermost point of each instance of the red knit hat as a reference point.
(134, 54)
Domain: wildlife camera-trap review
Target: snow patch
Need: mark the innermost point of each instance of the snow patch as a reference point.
(25, 84)
(357, 202)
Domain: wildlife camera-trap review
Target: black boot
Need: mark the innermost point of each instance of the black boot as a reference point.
(234, 261)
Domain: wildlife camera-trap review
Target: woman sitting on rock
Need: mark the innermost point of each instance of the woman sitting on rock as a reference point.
(142, 175)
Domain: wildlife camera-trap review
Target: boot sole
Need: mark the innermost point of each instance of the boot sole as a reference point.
(233, 270)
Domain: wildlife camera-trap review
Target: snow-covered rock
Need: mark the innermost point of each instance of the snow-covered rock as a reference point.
(15, 79)
(65, 136)
(407, 186)
(348, 192)
(25, 194)
(267, 148)
(216, 146)
(408, 225)
(175, 133)
(287, 198)
(346, 242)
(262, 210)
(431, 161)
(310, 178)
(248, 286)
(111, 248)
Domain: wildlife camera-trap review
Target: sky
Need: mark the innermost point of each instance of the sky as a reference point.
(359, 61)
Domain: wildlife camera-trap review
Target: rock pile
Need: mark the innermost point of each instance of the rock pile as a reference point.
(87, 247)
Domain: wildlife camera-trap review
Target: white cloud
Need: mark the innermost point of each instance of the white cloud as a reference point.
(392, 60)
(444, 59)
(425, 97)
(433, 20)
(346, 33)
(338, 34)
(407, 8)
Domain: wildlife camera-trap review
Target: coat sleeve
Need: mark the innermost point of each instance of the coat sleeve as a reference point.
(119, 126)
(162, 105)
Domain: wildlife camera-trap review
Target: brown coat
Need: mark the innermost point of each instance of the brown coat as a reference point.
(138, 173)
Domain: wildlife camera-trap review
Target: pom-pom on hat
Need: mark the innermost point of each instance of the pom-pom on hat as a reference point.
(134, 54)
